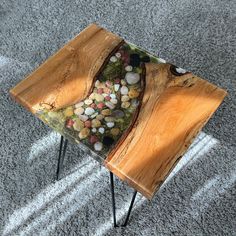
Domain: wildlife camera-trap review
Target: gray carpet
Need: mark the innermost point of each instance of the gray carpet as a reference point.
(199, 198)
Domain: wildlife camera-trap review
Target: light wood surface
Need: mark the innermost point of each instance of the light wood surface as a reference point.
(67, 76)
(174, 110)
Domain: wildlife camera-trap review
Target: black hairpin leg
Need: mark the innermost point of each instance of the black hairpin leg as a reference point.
(62, 152)
(130, 208)
(113, 199)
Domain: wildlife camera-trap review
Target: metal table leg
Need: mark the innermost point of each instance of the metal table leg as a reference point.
(113, 199)
(130, 208)
(62, 152)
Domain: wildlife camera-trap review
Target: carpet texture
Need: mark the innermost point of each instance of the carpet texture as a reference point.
(198, 198)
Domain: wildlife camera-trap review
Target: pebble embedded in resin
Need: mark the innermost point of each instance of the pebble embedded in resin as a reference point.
(79, 111)
(110, 124)
(98, 146)
(128, 68)
(113, 59)
(89, 111)
(124, 90)
(84, 133)
(132, 78)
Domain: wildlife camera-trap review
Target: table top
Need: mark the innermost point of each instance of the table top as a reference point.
(136, 112)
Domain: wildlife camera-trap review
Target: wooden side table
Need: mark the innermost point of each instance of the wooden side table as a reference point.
(136, 112)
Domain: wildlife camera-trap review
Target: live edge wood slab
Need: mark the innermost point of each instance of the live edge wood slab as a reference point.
(138, 114)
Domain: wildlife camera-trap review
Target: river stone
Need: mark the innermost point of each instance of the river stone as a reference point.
(112, 95)
(83, 117)
(107, 90)
(84, 133)
(101, 130)
(134, 102)
(106, 112)
(80, 104)
(99, 97)
(116, 87)
(113, 59)
(128, 68)
(108, 141)
(99, 117)
(125, 104)
(114, 101)
(79, 111)
(109, 119)
(89, 111)
(94, 115)
(92, 96)
(124, 90)
(123, 82)
(97, 83)
(118, 55)
(132, 78)
(100, 105)
(133, 93)
(110, 124)
(94, 130)
(78, 125)
(87, 123)
(110, 105)
(115, 131)
(93, 139)
(118, 114)
(88, 101)
(96, 123)
(125, 98)
(98, 146)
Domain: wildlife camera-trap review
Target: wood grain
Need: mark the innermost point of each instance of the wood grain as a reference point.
(67, 76)
(174, 110)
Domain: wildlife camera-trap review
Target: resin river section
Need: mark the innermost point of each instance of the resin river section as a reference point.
(110, 109)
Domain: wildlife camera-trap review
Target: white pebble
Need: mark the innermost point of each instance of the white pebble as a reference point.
(110, 105)
(83, 117)
(98, 146)
(112, 95)
(124, 90)
(128, 68)
(79, 111)
(97, 83)
(101, 130)
(88, 101)
(94, 130)
(110, 124)
(118, 55)
(89, 111)
(132, 78)
(80, 104)
(114, 100)
(113, 59)
(116, 87)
